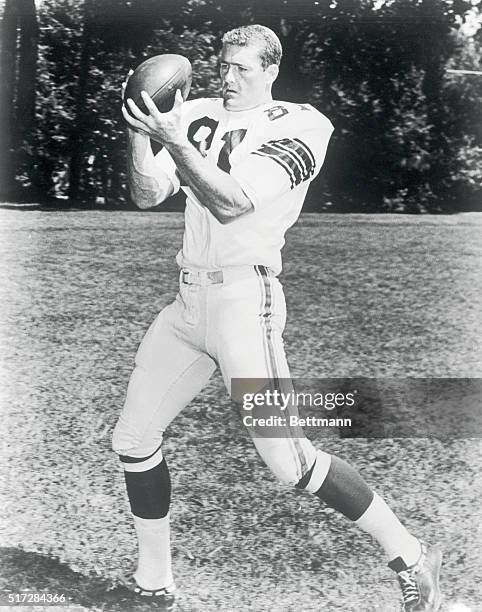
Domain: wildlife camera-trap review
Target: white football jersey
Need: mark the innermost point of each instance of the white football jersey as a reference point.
(273, 151)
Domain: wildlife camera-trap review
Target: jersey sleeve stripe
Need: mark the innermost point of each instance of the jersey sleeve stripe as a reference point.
(299, 156)
(286, 165)
(283, 148)
(293, 155)
(276, 151)
(300, 152)
(308, 151)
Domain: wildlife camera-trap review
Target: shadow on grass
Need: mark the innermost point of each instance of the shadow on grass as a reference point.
(32, 573)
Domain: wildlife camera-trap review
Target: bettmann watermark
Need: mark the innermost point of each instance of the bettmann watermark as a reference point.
(445, 408)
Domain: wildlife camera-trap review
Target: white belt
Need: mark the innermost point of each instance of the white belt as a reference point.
(201, 277)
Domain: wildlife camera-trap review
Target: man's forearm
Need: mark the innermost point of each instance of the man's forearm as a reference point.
(214, 188)
(147, 188)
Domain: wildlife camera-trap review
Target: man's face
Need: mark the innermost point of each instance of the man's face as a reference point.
(244, 82)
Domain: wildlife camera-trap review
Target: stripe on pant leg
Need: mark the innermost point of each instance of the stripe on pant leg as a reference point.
(269, 373)
(266, 313)
(301, 462)
(270, 355)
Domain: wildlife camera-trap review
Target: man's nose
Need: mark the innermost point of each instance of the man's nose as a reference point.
(229, 75)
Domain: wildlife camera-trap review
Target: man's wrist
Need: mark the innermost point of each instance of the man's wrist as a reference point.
(135, 137)
(178, 145)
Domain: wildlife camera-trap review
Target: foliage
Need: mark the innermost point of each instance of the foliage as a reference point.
(405, 130)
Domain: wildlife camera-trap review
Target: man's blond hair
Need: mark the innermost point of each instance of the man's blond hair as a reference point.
(269, 44)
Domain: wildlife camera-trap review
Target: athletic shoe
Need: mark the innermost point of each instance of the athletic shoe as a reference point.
(420, 582)
(129, 592)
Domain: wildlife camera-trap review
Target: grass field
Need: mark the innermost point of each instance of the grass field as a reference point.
(367, 296)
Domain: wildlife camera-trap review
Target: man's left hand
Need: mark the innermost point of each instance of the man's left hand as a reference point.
(161, 127)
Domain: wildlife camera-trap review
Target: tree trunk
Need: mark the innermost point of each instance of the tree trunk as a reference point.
(7, 96)
(26, 87)
(76, 146)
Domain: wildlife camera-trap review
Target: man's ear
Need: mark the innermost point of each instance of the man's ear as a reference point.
(272, 71)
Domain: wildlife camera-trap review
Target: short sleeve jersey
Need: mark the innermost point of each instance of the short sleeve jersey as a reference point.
(273, 151)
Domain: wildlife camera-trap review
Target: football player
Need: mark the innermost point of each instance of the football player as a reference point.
(245, 163)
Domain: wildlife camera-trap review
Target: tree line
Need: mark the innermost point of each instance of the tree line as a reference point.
(407, 130)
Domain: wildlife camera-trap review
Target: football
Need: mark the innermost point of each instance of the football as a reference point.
(160, 76)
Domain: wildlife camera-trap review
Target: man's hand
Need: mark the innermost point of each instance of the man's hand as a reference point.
(161, 127)
(124, 84)
(132, 131)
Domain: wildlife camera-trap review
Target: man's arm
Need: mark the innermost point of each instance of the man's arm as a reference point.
(214, 188)
(148, 185)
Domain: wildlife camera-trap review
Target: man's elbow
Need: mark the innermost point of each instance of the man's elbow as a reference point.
(225, 219)
(145, 201)
(229, 214)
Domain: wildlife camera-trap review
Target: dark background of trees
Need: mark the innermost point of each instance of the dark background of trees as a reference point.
(408, 133)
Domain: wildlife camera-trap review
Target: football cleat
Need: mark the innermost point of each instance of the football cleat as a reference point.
(420, 582)
(129, 592)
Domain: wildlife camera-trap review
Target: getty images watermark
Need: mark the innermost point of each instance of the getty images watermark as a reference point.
(445, 408)
(275, 408)
(288, 403)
